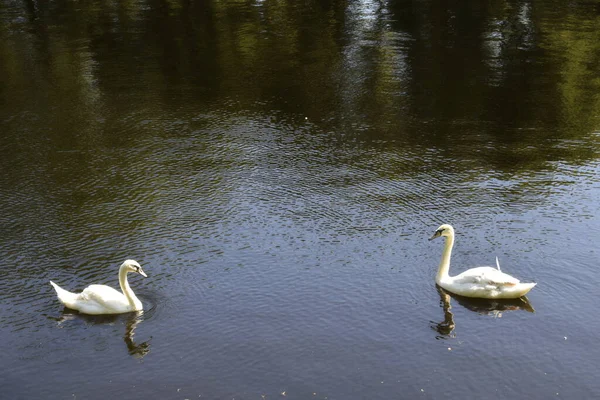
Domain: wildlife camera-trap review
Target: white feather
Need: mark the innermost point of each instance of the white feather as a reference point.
(482, 282)
(102, 299)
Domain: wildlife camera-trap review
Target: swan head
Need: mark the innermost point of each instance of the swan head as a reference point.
(133, 266)
(444, 230)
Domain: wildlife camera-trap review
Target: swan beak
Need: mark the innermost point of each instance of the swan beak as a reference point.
(142, 273)
(437, 234)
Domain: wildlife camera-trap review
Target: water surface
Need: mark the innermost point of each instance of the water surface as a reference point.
(277, 168)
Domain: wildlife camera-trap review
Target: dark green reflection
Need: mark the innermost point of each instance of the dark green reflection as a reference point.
(510, 85)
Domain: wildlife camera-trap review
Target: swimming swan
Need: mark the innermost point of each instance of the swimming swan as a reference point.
(102, 299)
(482, 282)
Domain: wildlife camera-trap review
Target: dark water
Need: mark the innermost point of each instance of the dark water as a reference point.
(277, 167)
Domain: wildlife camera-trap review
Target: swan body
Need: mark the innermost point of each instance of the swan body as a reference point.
(102, 299)
(481, 282)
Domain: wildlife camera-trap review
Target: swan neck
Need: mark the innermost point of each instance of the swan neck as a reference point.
(445, 262)
(126, 289)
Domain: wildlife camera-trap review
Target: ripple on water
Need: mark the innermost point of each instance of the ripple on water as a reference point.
(272, 249)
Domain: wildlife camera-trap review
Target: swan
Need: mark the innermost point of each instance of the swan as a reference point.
(102, 299)
(481, 282)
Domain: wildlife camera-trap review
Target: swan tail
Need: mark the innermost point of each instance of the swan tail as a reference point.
(65, 297)
(524, 288)
(498, 264)
(529, 286)
(513, 291)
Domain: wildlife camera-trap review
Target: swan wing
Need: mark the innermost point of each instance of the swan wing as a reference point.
(102, 293)
(485, 276)
(102, 299)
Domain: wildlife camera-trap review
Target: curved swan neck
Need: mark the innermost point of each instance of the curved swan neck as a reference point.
(445, 262)
(126, 289)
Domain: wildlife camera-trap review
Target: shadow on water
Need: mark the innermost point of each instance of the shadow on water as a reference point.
(480, 306)
(129, 320)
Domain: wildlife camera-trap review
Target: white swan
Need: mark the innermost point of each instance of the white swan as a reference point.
(102, 299)
(482, 282)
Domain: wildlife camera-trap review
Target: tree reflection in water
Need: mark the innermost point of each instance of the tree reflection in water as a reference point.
(480, 306)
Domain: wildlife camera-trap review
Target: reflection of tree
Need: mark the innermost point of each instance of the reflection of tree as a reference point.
(376, 64)
(509, 85)
(481, 306)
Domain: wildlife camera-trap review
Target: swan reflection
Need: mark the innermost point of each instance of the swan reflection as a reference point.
(480, 306)
(130, 320)
(135, 349)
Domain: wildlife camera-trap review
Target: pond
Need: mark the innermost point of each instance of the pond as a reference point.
(277, 168)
